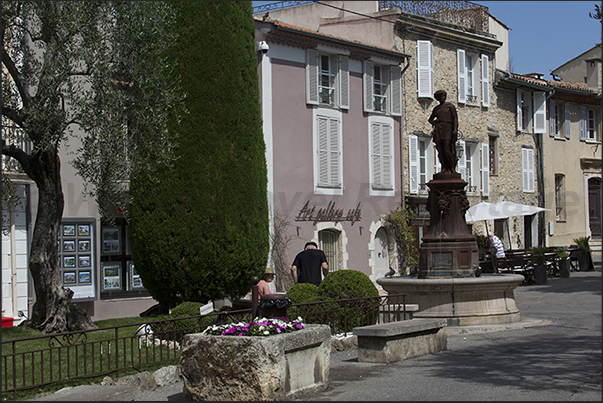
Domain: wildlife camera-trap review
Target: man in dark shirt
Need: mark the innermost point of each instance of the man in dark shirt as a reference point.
(307, 264)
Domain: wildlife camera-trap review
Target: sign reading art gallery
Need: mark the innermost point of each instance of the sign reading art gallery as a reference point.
(330, 213)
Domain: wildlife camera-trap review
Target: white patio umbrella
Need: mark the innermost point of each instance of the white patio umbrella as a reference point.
(493, 211)
(484, 211)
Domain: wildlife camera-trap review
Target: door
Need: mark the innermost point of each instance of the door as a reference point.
(594, 207)
(328, 240)
(381, 253)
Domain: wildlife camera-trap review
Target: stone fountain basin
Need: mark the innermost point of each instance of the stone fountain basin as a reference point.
(487, 299)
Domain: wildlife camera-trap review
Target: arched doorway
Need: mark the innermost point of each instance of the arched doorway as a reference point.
(382, 261)
(594, 207)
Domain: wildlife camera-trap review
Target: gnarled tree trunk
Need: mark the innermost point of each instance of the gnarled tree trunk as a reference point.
(53, 311)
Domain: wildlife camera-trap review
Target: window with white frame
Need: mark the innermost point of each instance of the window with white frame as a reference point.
(421, 163)
(470, 165)
(531, 111)
(382, 87)
(381, 146)
(424, 69)
(327, 79)
(560, 197)
(527, 167)
(468, 75)
(590, 120)
(327, 152)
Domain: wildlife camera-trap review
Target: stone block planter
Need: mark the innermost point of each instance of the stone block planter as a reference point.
(255, 367)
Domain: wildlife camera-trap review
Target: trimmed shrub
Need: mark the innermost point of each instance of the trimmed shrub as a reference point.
(303, 292)
(348, 284)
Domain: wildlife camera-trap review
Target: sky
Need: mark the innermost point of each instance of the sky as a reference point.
(543, 35)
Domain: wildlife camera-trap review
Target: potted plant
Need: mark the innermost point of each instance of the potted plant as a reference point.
(482, 245)
(584, 254)
(563, 259)
(539, 261)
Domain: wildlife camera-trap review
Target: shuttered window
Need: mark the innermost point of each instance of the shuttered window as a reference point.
(462, 75)
(382, 88)
(485, 82)
(527, 161)
(327, 79)
(413, 164)
(381, 156)
(568, 126)
(424, 69)
(328, 164)
(539, 112)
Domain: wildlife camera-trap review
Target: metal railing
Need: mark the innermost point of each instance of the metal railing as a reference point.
(465, 14)
(111, 350)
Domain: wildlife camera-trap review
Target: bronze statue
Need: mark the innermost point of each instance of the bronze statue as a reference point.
(445, 125)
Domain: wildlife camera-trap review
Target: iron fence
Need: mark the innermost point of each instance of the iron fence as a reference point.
(43, 360)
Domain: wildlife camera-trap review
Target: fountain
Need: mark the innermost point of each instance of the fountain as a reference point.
(449, 284)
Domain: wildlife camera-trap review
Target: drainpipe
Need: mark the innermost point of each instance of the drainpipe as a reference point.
(402, 141)
(541, 195)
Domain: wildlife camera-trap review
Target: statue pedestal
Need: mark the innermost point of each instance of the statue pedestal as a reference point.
(448, 248)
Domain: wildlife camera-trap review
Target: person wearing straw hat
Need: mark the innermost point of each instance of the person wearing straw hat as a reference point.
(263, 286)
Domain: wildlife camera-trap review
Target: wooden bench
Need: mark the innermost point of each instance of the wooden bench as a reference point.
(397, 341)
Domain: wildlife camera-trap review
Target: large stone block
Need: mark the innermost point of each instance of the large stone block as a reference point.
(255, 367)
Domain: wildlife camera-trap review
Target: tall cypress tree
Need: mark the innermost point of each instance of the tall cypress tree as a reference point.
(201, 231)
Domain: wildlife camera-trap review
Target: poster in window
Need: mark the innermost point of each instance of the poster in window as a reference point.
(83, 246)
(84, 261)
(69, 277)
(69, 261)
(68, 246)
(69, 230)
(85, 277)
(135, 279)
(111, 277)
(83, 230)
(111, 240)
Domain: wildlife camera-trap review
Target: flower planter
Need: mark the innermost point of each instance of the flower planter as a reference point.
(255, 367)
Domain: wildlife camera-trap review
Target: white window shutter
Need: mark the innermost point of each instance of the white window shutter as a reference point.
(368, 86)
(335, 153)
(552, 121)
(583, 123)
(424, 69)
(462, 75)
(485, 169)
(527, 169)
(462, 163)
(531, 170)
(344, 81)
(323, 151)
(568, 121)
(312, 76)
(485, 82)
(376, 152)
(386, 156)
(413, 163)
(396, 90)
(519, 112)
(539, 112)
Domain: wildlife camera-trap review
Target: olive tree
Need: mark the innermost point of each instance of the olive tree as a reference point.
(92, 69)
